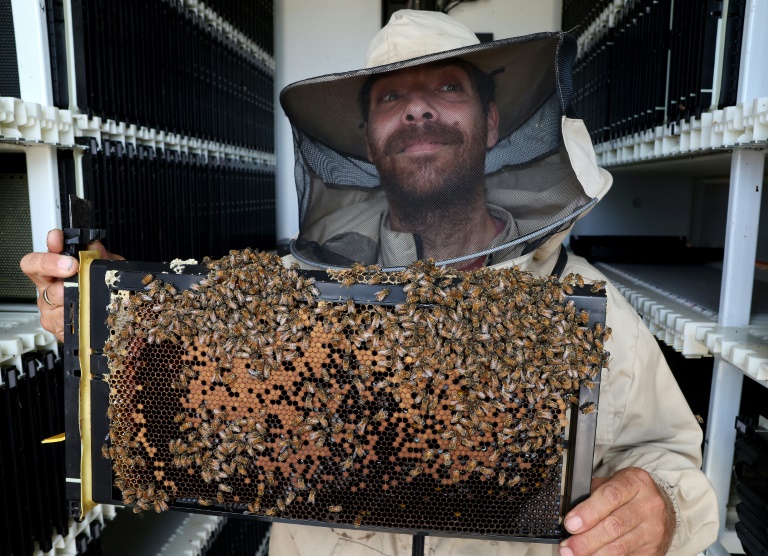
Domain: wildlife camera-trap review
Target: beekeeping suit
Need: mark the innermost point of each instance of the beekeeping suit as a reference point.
(536, 177)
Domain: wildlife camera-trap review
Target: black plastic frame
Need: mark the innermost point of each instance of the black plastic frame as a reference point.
(577, 474)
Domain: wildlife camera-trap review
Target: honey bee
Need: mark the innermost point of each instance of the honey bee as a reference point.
(362, 425)
(588, 408)
(311, 497)
(335, 509)
(381, 295)
(514, 481)
(255, 506)
(380, 416)
(358, 521)
(486, 471)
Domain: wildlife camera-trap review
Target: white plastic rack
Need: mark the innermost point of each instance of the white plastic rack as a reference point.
(20, 333)
(30, 124)
(191, 537)
(67, 544)
(671, 318)
(744, 125)
(692, 329)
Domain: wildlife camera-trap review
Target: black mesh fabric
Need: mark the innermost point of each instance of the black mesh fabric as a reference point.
(415, 178)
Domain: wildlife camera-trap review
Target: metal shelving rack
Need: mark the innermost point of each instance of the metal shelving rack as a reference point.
(729, 332)
(32, 125)
(746, 185)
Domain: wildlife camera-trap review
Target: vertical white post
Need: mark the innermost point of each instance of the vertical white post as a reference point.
(31, 30)
(739, 264)
(44, 203)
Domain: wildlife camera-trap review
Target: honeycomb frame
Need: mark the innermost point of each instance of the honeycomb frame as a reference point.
(560, 494)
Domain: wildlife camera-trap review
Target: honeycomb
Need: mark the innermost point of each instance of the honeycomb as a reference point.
(445, 413)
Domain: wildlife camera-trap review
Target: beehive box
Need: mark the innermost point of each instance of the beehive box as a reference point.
(423, 401)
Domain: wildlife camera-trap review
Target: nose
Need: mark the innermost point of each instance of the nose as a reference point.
(412, 118)
(419, 109)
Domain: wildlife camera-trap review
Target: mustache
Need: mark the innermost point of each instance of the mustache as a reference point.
(430, 132)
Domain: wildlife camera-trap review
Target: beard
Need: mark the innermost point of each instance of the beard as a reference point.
(432, 187)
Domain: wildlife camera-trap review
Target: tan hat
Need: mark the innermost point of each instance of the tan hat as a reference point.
(526, 74)
(413, 33)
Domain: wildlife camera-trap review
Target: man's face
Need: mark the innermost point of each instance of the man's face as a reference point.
(427, 134)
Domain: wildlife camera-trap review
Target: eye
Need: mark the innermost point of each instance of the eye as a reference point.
(389, 97)
(451, 87)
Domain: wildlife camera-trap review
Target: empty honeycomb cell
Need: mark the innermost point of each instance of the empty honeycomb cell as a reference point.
(446, 412)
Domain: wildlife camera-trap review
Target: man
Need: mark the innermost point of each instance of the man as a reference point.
(469, 154)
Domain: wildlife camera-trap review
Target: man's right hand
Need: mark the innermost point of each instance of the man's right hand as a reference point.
(47, 271)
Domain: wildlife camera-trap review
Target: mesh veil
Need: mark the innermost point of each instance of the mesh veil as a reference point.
(417, 176)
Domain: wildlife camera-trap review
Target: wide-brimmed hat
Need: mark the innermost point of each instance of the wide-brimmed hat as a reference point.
(525, 71)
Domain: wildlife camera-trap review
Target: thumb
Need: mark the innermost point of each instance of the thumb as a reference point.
(104, 254)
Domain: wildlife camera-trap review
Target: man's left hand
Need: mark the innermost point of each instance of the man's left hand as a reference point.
(626, 514)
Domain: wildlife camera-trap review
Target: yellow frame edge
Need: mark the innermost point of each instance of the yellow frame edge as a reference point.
(86, 475)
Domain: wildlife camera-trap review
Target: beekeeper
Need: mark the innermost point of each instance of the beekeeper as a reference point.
(472, 155)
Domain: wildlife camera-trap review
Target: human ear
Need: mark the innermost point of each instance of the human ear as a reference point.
(493, 125)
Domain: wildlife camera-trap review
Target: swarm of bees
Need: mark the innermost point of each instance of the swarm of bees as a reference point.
(248, 393)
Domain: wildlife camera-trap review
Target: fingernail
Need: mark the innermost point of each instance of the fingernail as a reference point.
(65, 263)
(573, 524)
(565, 551)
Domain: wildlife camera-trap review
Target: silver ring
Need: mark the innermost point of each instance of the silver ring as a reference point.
(45, 297)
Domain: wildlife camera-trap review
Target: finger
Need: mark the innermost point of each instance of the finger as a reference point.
(53, 321)
(623, 545)
(55, 241)
(615, 528)
(606, 498)
(104, 254)
(44, 268)
(55, 294)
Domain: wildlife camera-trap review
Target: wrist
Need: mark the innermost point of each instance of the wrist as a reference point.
(672, 518)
